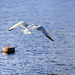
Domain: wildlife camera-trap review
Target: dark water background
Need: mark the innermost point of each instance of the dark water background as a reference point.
(35, 54)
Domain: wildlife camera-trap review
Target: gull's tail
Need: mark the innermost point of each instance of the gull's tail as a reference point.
(26, 31)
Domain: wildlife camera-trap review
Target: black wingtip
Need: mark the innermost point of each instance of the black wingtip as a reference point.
(52, 39)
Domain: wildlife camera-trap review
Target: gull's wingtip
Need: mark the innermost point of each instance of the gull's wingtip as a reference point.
(52, 39)
(10, 29)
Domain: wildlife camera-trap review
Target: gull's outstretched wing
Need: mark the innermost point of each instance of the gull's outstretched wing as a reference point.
(44, 31)
(22, 24)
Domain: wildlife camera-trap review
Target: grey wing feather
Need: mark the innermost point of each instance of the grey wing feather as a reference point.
(44, 31)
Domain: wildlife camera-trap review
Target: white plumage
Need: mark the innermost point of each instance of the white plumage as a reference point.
(29, 28)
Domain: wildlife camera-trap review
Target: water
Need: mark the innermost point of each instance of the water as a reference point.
(35, 54)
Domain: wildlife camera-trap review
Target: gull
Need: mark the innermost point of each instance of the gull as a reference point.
(29, 28)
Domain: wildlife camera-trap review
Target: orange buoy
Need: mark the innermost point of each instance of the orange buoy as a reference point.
(8, 49)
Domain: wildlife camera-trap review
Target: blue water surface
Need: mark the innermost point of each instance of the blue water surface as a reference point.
(34, 53)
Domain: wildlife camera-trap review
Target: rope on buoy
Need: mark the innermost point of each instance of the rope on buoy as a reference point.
(8, 45)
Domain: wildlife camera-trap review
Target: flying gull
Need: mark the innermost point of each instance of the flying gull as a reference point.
(29, 28)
